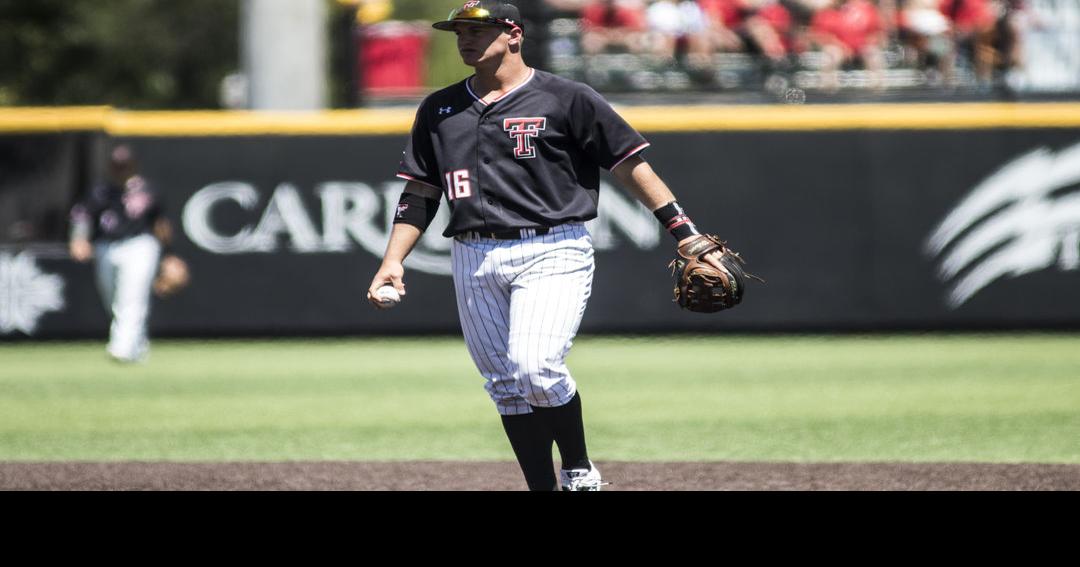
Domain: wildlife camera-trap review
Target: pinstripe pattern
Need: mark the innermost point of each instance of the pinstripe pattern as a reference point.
(520, 303)
(125, 275)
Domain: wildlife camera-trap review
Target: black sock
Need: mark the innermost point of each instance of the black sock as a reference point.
(531, 440)
(569, 430)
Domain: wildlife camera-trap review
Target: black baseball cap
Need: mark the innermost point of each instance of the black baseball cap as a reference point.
(483, 12)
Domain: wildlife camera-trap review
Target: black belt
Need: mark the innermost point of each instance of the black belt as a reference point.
(516, 234)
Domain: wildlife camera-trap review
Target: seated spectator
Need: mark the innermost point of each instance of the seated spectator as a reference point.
(973, 26)
(609, 25)
(802, 13)
(927, 35)
(761, 25)
(1008, 30)
(567, 5)
(969, 16)
(680, 27)
(849, 31)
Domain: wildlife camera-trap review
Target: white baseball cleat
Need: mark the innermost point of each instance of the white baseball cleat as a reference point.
(581, 480)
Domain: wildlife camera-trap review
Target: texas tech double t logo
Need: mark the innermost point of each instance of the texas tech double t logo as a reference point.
(523, 130)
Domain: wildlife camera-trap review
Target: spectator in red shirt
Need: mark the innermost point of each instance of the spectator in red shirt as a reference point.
(762, 25)
(720, 36)
(969, 16)
(619, 24)
(973, 25)
(848, 31)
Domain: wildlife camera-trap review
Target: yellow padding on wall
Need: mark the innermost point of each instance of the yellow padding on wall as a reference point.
(398, 121)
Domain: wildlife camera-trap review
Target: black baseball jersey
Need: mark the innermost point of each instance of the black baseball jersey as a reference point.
(529, 159)
(113, 212)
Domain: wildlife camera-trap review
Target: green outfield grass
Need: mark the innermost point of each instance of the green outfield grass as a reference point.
(996, 398)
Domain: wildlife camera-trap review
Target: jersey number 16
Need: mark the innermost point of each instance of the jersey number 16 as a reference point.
(457, 185)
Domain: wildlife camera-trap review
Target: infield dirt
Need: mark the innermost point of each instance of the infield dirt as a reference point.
(624, 476)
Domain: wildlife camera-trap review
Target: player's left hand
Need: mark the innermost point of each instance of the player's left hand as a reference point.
(712, 258)
(173, 276)
(709, 276)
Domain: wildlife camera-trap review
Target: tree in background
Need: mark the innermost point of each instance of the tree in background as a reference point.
(156, 54)
(168, 54)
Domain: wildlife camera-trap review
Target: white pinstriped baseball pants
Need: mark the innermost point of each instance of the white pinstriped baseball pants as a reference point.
(125, 276)
(520, 303)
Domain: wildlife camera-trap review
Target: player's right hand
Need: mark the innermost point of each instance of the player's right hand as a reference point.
(81, 250)
(389, 273)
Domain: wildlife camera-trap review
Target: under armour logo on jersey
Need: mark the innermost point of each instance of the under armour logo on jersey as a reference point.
(446, 110)
(524, 130)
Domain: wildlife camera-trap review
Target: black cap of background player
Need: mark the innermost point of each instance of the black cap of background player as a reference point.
(483, 12)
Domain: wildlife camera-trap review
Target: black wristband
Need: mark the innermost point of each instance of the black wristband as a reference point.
(676, 221)
(415, 210)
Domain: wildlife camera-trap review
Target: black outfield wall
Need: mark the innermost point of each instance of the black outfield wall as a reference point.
(853, 229)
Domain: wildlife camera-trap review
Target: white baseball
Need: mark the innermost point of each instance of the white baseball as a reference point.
(387, 296)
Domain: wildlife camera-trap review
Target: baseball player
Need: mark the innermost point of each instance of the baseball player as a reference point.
(120, 225)
(516, 152)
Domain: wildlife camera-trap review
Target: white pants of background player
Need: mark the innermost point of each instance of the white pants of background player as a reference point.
(520, 304)
(125, 274)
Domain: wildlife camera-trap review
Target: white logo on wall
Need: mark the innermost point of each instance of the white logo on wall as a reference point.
(356, 214)
(1021, 219)
(26, 293)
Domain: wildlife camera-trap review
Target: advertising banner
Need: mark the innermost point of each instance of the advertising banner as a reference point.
(852, 229)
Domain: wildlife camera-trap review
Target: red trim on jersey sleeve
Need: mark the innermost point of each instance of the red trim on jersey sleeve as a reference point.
(420, 181)
(632, 153)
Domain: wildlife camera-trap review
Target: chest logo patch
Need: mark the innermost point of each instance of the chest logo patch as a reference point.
(524, 131)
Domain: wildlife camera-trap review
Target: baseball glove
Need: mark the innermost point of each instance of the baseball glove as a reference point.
(173, 276)
(702, 288)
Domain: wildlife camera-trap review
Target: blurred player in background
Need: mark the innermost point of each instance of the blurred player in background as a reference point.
(120, 225)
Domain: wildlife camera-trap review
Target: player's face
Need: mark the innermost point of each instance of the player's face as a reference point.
(121, 165)
(480, 43)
